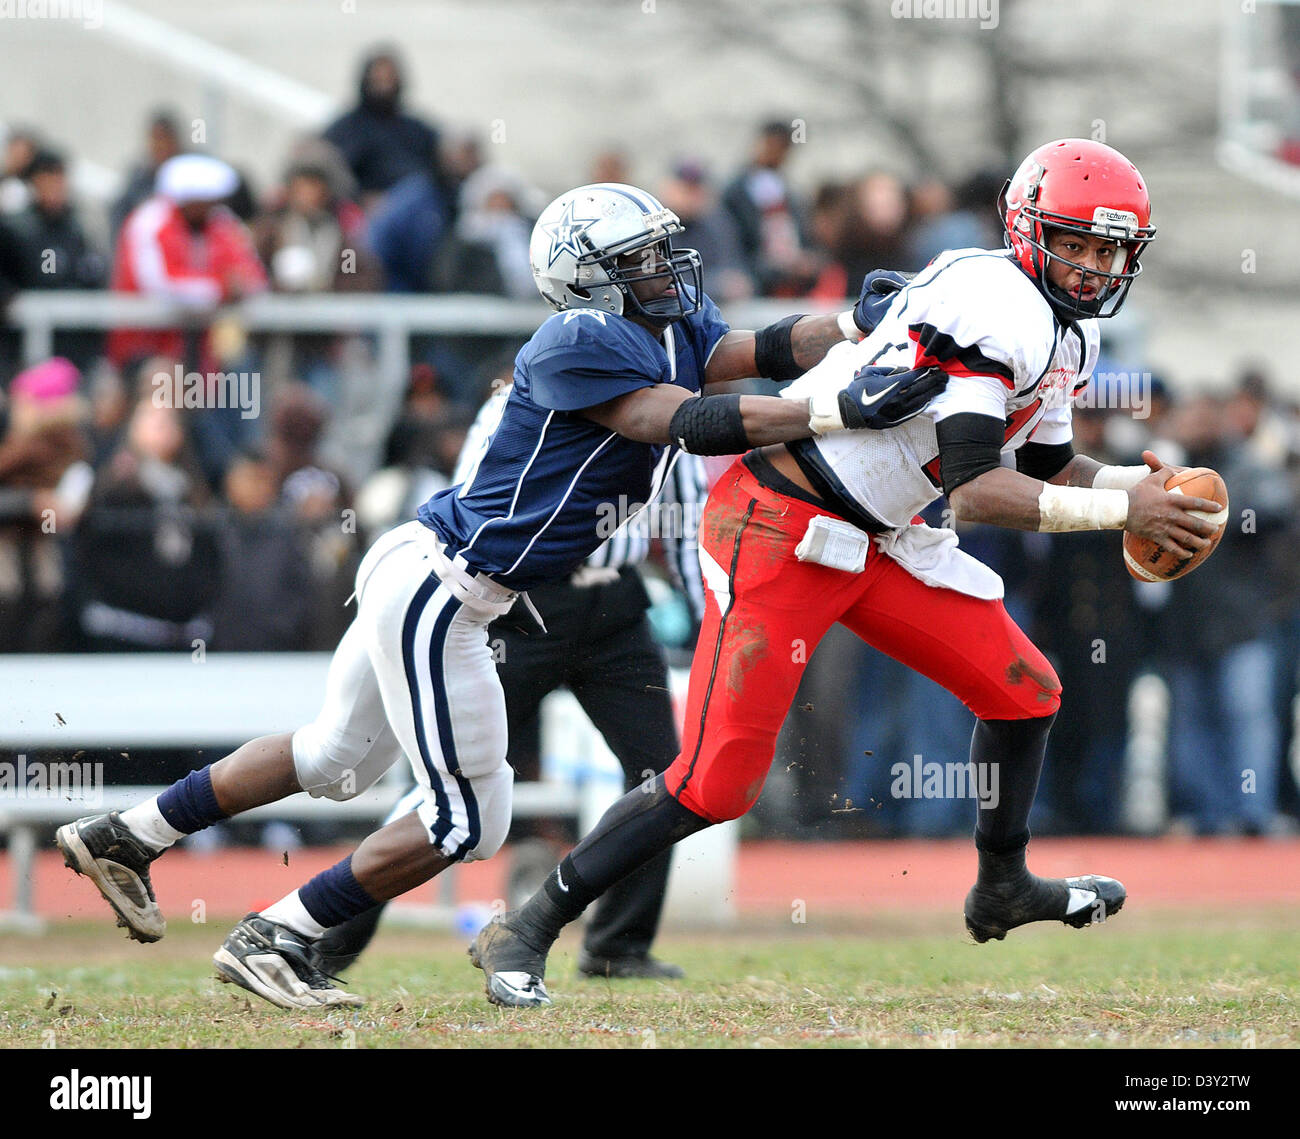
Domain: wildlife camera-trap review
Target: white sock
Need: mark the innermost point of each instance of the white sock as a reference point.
(146, 822)
(290, 911)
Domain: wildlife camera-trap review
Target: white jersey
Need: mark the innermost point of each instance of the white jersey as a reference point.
(975, 314)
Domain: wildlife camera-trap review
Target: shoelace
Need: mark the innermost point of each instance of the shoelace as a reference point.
(304, 957)
(318, 974)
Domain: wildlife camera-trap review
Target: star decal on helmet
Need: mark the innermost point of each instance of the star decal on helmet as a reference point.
(565, 232)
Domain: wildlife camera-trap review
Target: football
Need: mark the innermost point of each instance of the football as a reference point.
(1146, 561)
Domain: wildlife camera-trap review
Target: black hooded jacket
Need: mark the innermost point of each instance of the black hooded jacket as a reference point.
(379, 141)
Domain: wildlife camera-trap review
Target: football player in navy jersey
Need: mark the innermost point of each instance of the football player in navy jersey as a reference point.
(604, 393)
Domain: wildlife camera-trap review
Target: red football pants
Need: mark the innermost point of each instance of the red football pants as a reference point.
(765, 613)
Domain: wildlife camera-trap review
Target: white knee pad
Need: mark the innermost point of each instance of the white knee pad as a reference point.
(333, 768)
(495, 795)
(492, 798)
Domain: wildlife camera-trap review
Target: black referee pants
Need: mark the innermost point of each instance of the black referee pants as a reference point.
(598, 645)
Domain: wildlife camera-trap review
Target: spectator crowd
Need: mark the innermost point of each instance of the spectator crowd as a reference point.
(134, 523)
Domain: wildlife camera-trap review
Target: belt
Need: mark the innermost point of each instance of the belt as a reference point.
(475, 589)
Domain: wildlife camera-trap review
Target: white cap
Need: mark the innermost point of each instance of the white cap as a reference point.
(195, 178)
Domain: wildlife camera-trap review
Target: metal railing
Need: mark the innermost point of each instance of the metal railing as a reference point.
(392, 317)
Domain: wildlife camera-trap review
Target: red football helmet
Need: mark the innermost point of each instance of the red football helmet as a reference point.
(1085, 187)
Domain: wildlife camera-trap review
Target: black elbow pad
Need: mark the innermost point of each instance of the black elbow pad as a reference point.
(969, 445)
(709, 425)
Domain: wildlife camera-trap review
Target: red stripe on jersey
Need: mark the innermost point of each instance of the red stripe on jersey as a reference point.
(1017, 419)
(935, 349)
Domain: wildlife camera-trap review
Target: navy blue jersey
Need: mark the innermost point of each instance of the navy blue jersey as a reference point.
(541, 497)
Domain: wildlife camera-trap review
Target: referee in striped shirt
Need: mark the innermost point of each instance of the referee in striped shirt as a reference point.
(599, 645)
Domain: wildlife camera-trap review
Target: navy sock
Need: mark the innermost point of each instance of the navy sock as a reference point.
(335, 895)
(191, 804)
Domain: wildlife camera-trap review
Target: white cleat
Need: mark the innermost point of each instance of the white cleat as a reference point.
(103, 848)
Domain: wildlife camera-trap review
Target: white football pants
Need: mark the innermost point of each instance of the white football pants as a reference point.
(414, 674)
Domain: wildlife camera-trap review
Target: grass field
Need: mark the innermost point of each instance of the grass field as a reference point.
(1177, 980)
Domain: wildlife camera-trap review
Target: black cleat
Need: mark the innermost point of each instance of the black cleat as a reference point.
(645, 968)
(279, 965)
(1079, 902)
(514, 969)
(103, 848)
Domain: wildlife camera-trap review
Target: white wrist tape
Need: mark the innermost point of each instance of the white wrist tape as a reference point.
(824, 412)
(1119, 478)
(1080, 508)
(849, 326)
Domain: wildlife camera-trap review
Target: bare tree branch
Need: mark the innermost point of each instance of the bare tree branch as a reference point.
(854, 77)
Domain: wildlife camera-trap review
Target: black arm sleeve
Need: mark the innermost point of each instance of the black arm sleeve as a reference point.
(1043, 460)
(969, 445)
(773, 352)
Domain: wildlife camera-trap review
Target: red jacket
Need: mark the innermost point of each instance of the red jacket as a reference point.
(158, 255)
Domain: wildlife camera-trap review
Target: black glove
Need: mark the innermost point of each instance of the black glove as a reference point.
(878, 398)
(879, 287)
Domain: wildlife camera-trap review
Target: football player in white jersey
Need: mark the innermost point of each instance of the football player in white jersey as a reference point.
(801, 535)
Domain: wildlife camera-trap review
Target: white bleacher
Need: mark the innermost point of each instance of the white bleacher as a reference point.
(119, 701)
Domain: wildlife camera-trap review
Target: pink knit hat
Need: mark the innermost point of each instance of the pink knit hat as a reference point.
(47, 382)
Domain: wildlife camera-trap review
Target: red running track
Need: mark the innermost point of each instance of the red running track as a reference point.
(847, 878)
